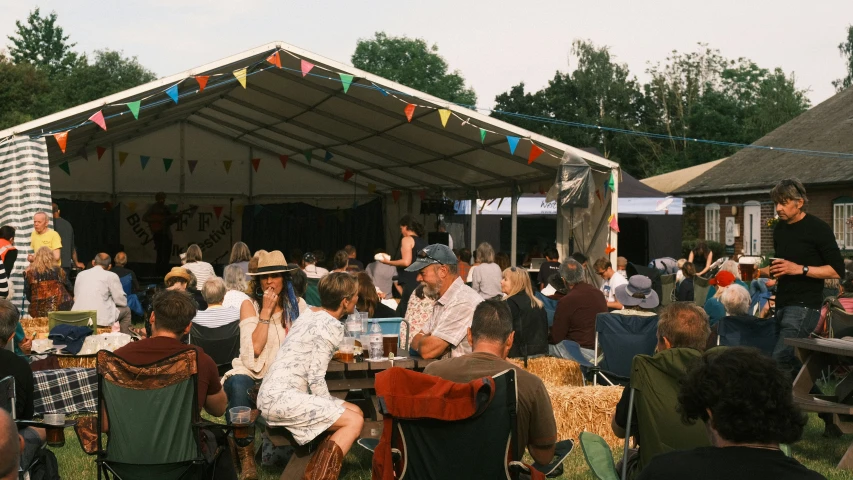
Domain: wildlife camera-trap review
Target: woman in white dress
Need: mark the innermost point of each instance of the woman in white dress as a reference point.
(294, 393)
(202, 270)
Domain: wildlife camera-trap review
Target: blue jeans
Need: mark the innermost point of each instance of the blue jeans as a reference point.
(759, 285)
(559, 351)
(792, 322)
(237, 390)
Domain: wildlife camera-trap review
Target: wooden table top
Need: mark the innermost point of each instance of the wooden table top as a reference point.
(365, 366)
(833, 346)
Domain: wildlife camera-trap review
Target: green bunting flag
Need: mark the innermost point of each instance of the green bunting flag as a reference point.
(308, 154)
(134, 108)
(482, 136)
(611, 184)
(346, 80)
(65, 167)
(167, 163)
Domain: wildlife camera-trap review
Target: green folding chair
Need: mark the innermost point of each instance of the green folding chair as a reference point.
(700, 290)
(77, 318)
(312, 292)
(598, 456)
(667, 283)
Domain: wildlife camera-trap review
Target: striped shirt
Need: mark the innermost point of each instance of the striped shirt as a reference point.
(216, 316)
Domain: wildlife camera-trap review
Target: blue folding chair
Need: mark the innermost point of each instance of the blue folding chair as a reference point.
(747, 332)
(133, 302)
(620, 338)
(392, 326)
(550, 306)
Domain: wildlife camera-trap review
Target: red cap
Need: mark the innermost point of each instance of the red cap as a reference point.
(723, 279)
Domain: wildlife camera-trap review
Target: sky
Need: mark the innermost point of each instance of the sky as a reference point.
(494, 44)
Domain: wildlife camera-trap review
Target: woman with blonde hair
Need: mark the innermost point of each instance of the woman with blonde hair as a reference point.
(202, 270)
(46, 286)
(529, 319)
(240, 256)
(485, 276)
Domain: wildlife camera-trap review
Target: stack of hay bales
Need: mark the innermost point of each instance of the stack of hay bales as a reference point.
(36, 325)
(554, 371)
(39, 326)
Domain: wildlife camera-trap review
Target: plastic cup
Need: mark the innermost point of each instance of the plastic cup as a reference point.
(240, 418)
(347, 350)
(389, 345)
(56, 431)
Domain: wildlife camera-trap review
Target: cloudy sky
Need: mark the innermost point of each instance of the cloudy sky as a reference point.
(494, 44)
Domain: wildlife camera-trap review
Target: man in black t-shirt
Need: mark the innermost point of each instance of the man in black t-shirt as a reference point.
(550, 267)
(806, 255)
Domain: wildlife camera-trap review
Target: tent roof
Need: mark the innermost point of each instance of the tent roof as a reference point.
(286, 112)
(672, 181)
(630, 187)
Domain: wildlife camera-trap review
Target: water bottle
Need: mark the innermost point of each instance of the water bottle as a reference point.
(375, 341)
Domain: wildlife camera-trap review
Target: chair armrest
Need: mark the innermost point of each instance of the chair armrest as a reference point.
(555, 468)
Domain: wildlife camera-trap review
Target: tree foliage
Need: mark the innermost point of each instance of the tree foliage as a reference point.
(845, 48)
(413, 63)
(42, 43)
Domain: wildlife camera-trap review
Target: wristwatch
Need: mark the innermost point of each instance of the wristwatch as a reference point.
(805, 270)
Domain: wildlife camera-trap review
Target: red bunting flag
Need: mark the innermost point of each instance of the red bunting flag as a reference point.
(101, 151)
(348, 174)
(283, 159)
(202, 82)
(598, 194)
(217, 211)
(306, 67)
(275, 59)
(396, 195)
(256, 162)
(422, 195)
(98, 118)
(535, 151)
(609, 249)
(410, 111)
(61, 139)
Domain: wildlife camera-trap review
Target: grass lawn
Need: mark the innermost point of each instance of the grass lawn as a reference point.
(818, 453)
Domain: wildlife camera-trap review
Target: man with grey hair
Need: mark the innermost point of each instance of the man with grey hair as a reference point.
(215, 315)
(806, 255)
(574, 318)
(44, 236)
(735, 300)
(100, 289)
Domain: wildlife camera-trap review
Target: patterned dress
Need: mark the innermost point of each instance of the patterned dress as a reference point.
(47, 292)
(294, 392)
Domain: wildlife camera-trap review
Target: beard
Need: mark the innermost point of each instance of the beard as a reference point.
(432, 291)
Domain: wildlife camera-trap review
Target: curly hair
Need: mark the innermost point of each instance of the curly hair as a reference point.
(748, 396)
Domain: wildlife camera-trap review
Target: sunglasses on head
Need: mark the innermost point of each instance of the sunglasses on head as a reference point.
(423, 254)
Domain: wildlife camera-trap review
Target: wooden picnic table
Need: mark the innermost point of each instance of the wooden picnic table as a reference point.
(818, 354)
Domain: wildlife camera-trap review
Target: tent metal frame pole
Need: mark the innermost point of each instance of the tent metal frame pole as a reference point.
(473, 224)
(614, 210)
(182, 152)
(251, 174)
(113, 170)
(514, 217)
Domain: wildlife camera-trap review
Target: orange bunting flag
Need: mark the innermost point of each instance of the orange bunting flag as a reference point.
(445, 115)
(348, 174)
(535, 151)
(613, 224)
(306, 67)
(609, 250)
(256, 162)
(410, 111)
(61, 139)
(283, 159)
(396, 195)
(217, 211)
(275, 59)
(101, 151)
(227, 164)
(202, 82)
(98, 118)
(241, 76)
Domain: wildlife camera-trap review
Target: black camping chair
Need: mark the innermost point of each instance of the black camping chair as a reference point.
(839, 322)
(221, 343)
(620, 338)
(8, 397)
(742, 332)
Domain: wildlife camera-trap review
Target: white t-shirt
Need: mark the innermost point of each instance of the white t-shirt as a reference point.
(609, 287)
(313, 271)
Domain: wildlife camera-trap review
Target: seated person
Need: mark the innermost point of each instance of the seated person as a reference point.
(119, 269)
(683, 327)
(183, 280)
(735, 301)
(11, 446)
(529, 319)
(368, 299)
(746, 404)
(340, 261)
(294, 393)
(170, 321)
(637, 297)
(492, 336)
(551, 266)
(684, 292)
(445, 331)
(574, 318)
(215, 315)
(100, 289)
(604, 269)
(713, 307)
(354, 265)
(17, 367)
(311, 268)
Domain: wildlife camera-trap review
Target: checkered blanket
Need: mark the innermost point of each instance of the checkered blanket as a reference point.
(67, 390)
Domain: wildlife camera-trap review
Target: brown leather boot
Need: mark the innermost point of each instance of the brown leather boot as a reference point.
(247, 462)
(326, 462)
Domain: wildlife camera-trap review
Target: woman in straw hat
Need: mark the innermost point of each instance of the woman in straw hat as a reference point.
(294, 393)
(265, 320)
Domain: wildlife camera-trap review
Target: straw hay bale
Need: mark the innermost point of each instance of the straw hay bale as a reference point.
(578, 409)
(83, 361)
(553, 371)
(37, 325)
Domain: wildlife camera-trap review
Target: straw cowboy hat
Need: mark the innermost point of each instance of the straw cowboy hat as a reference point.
(272, 262)
(178, 272)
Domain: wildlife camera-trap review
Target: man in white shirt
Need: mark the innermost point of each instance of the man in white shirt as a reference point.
(215, 315)
(100, 289)
(604, 269)
(311, 269)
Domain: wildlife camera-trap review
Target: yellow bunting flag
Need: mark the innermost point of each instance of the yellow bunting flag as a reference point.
(227, 164)
(371, 188)
(445, 114)
(131, 206)
(122, 156)
(241, 76)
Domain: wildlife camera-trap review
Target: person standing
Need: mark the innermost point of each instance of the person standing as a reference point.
(412, 243)
(68, 253)
(806, 255)
(159, 218)
(44, 236)
(8, 252)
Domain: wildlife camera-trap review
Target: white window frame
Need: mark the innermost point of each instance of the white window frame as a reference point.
(712, 222)
(842, 209)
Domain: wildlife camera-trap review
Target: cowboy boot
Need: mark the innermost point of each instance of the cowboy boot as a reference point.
(247, 462)
(232, 449)
(326, 462)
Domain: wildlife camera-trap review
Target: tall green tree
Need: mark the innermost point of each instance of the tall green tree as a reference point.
(109, 72)
(41, 42)
(22, 96)
(413, 63)
(845, 48)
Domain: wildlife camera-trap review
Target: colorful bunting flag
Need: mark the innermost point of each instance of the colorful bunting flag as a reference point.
(328, 156)
(143, 159)
(606, 186)
(445, 115)
(256, 162)
(65, 167)
(482, 136)
(122, 156)
(202, 82)
(346, 81)
(134, 108)
(227, 164)
(275, 59)
(192, 164)
(218, 210)
(612, 182)
(609, 249)
(598, 194)
(83, 153)
(283, 160)
(513, 142)
(131, 206)
(371, 188)
(167, 163)
(61, 139)
(396, 195)
(535, 151)
(410, 111)
(241, 76)
(308, 154)
(614, 224)
(306, 67)
(172, 92)
(98, 118)
(101, 151)
(239, 210)
(348, 174)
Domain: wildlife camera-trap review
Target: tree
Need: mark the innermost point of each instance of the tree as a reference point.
(413, 63)
(110, 73)
(41, 43)
(22, 95)
(845, 48)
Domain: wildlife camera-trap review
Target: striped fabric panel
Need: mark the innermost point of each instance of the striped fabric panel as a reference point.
(25, 187)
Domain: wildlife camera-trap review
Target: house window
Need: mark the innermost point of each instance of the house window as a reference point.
(842, 209)
(712, 222)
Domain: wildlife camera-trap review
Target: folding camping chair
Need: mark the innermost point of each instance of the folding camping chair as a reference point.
(740, 332)
(312, 292)
(221, 343)
(839, 322)
(77, 318)
(7, 403)
(620, 338)
(667, 283)
(550, 306)
(700, 290)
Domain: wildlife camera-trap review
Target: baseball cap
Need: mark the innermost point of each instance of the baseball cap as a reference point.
(432, 254)
(723, 279)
